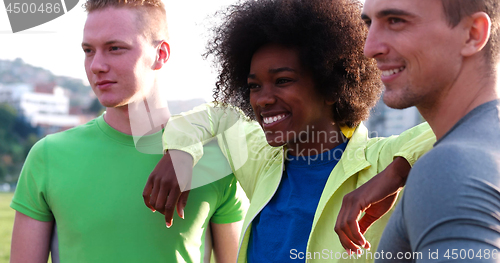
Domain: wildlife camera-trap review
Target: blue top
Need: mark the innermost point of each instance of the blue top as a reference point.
(286, 221)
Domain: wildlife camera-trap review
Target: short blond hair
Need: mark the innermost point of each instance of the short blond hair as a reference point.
(151, 15)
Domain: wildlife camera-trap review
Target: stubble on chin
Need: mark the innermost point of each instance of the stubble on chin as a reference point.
(398, 99)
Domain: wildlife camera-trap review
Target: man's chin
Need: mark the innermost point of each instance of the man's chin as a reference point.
(396, 102)
(114, 104)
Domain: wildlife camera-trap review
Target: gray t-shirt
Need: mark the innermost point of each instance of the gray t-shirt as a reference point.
(450, 209)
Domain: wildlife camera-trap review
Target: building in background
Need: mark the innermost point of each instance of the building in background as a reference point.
(44, 106)
(385, 121)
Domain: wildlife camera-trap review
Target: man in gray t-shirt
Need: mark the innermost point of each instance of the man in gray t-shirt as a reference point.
(441, 56)
(451, 205)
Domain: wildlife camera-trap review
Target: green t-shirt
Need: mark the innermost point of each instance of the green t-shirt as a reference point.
(90, 180)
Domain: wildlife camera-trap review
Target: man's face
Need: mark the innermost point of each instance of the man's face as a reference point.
(415, 48)
(119, 60)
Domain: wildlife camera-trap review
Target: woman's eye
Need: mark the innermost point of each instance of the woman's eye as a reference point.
(282, 81)
(252, 85)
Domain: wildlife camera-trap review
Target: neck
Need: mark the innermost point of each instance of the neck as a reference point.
(118, 119)
(472, 88)
(138, 118)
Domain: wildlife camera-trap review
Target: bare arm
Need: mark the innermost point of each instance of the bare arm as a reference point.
(163, 191)
(225, 241)
(375, 198)
(30, 240)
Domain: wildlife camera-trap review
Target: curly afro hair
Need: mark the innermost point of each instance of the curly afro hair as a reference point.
(329, 35)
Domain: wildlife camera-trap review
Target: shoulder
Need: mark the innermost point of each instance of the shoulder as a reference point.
(74, 134)
(452, 169)
(62, 143)
(450, 193)
(213, 168)
(456, 157)
(442, 163)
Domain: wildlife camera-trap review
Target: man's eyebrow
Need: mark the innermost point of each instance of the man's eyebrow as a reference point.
(388, 12)
(393, 12)
(274, 71)
(111, 42)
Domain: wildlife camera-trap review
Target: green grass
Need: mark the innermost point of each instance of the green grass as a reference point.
(6, 222)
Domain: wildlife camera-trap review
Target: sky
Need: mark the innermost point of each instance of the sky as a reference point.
(56, 46)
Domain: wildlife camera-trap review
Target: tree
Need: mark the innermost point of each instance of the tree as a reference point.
(95, 107)
(16, 139)
(7, 116)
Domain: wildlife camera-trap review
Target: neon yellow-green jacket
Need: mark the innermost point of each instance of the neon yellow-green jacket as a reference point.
(258, 167)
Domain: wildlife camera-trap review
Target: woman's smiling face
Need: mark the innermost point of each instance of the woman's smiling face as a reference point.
(285, 100)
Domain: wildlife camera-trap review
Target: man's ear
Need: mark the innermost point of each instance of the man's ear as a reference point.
(162, 55)
(479, 28)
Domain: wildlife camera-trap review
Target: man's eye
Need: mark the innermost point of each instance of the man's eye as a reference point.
(87, 50)
(368, 22)
(395, 20)
(115, 48)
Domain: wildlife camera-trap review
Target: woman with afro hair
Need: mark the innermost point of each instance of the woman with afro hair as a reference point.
(292, 90)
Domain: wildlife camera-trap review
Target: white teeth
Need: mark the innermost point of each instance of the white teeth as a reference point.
(386, 73)
(269, 120)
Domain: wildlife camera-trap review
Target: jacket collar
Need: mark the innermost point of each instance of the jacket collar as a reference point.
(353, 160)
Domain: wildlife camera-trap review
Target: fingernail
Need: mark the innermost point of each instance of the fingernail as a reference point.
(182, 213)
(169, 224)
(153, 210)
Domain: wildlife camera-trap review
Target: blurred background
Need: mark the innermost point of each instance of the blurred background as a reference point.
(43, 86)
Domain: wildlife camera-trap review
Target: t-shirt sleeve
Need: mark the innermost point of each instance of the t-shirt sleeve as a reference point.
(233, 204)
(452, 204)
(394, 242)
(30, 197)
